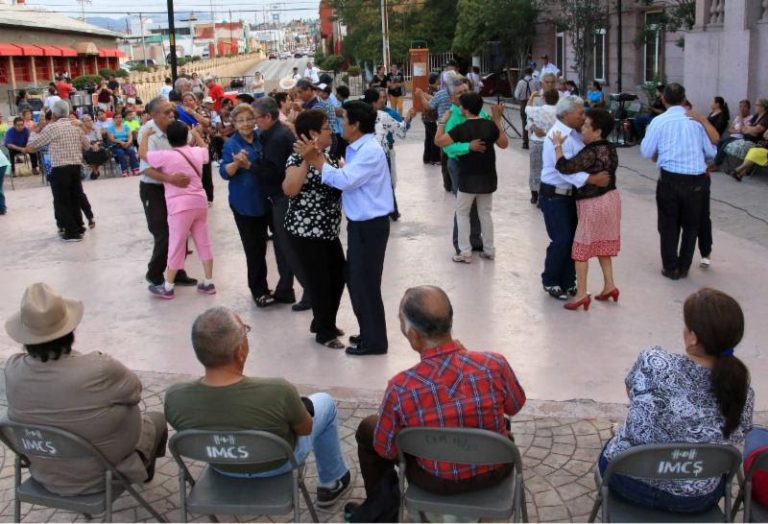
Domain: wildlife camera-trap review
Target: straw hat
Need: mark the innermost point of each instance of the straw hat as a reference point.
(287, 83)
(44, 316)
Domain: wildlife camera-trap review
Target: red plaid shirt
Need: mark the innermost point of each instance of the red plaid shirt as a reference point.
(450, 387)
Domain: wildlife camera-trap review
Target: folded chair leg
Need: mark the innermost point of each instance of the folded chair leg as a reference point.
(308, 500)
(16, 484)
(523, 504)
(595, 508)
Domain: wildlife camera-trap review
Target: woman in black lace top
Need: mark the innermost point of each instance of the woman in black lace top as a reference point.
(598, 233)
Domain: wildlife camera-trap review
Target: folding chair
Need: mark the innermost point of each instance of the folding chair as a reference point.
(753, 511)
(28, 440)
(463, 446)
(666, 462)
(213, 492)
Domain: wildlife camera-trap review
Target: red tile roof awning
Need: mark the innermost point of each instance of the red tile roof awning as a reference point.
(65, 51)
(49, 50)
(29, 50)
(108, 53)
(9, 50)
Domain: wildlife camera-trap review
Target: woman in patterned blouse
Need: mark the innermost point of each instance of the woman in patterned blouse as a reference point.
(702, 396)
(313, 221)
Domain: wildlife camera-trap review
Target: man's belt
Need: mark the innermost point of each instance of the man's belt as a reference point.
(550, 190)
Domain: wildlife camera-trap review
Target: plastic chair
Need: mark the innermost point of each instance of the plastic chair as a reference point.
(27, 440)
(213, 492)
(666, 462)
(753, 511)
(463, 446)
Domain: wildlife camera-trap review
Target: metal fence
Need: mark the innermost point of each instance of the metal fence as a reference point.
(437, 62)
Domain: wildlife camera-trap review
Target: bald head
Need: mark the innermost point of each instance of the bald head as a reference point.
(428, 310)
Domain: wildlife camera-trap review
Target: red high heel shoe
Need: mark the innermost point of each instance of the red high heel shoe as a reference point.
(614, 294)
(573, 306)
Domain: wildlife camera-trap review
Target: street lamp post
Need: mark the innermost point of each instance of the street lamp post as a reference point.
(619, 50)
(172, 41)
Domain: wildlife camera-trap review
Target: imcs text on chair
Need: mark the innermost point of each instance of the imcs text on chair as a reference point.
(463, 446)
(213, 493)
(46, 442)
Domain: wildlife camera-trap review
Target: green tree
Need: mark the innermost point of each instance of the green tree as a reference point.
(581, 19)
(677, 14)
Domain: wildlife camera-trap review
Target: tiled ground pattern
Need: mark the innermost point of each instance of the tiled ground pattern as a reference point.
(558, 456)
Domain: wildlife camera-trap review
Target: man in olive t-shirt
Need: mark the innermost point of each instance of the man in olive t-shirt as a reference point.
(225, 399)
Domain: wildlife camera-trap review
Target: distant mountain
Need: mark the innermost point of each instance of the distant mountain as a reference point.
(132, 22)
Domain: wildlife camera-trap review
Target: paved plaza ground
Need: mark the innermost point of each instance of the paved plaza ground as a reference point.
(571, 364)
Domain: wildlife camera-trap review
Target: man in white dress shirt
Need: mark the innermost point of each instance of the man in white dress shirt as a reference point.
(680, 144)
(367, 200)
(548, 67)
(556, 198)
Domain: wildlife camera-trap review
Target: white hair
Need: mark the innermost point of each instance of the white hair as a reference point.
(566, 104)
(181, 82)
(452, 80)
(60, 109)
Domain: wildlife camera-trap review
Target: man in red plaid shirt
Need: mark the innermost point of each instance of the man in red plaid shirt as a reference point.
(449, 387)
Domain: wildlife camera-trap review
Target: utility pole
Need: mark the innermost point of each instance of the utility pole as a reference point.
(619, 53)
(172, 41)
(143, 44)
(385, 35)
(231, 41)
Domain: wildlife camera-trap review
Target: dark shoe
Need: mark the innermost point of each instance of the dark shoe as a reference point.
(182, 279)
(3, 211)
(526, 146)
(556, 292)
(355, 340)
(285, 298)
(360, 351)
(161, 292)
(672, 274)
(264, 300)
(572, 291)
(534, 197)
(328, 496)
(682, 273)
(349, 509)
(91, 223)
(72, 238)
(301, 305)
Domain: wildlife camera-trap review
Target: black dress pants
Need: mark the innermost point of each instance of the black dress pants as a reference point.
(431, 151)
(253, 235)
(67, 186)
(208, 181)
(679, 199)
(444, 168)
(366, 247)
(153, 201)
(322, 262)
(287, 263)
(524, 120)
(705, 227)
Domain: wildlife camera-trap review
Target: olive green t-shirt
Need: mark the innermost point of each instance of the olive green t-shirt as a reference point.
(266, 404)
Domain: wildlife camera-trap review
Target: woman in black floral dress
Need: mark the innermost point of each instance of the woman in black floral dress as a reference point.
(313, 221)
(598, 233)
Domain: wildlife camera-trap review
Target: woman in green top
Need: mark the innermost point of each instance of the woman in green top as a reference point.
(120, 138)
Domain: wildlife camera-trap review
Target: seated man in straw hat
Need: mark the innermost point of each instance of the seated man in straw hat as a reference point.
(89, 394)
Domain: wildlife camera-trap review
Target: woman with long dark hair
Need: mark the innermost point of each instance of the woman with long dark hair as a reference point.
(719, 115)
(701, 396)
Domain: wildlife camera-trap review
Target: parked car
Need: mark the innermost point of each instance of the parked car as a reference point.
(272, 56)
(498, 84)
(298, 55)
(285, 56)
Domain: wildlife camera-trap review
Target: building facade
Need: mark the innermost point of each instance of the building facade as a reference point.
(37, 45)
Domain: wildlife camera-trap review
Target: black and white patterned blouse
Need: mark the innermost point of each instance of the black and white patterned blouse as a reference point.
(671, 400)
(316, 211)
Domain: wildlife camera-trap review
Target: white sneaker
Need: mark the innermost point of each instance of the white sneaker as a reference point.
(705, 262)
(466, 259)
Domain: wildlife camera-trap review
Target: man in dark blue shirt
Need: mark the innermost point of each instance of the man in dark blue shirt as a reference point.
(16, 139)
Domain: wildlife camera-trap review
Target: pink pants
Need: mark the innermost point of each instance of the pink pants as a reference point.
(180, 225)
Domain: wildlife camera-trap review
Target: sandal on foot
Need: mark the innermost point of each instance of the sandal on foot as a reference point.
(265, 300)
(334, 343)
(736, 175)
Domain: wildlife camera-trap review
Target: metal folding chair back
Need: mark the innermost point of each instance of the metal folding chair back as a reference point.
(47, 442)
(463, 446)
(669, 462)
(753, 511)
(213, 492)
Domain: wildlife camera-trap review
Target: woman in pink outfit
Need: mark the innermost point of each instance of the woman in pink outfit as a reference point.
(187, 206)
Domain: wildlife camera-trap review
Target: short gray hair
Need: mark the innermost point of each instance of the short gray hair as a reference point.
(153, 104)
(430, 322)
(452, 80)
(60, 109)
(241, 108)
(266, 105)
(566, 104)
(216, 333)
(181, 82)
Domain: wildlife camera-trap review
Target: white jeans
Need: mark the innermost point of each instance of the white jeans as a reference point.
(484, 207)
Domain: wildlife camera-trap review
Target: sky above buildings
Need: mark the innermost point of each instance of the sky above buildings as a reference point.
(253, 10)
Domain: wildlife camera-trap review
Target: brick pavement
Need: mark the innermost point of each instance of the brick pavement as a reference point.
(558, 442)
